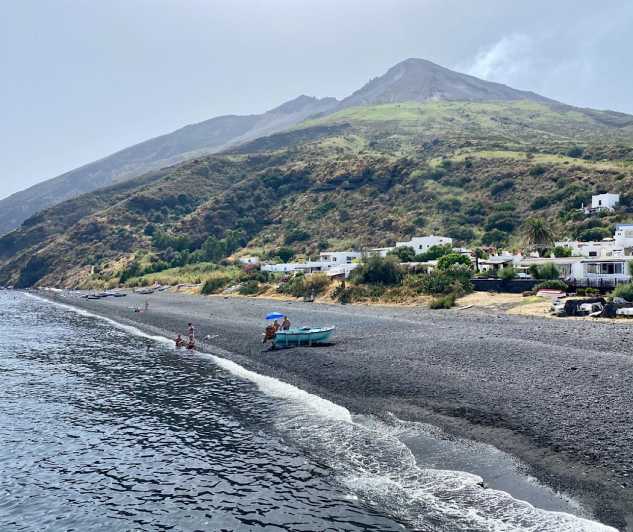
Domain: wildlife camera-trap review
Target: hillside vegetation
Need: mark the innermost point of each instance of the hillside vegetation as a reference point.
(361, 177)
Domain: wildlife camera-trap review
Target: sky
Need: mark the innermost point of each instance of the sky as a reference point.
(80, 79)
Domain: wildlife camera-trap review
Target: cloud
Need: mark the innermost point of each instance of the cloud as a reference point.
(507, 60)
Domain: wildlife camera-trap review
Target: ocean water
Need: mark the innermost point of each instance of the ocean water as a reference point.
(104, 428)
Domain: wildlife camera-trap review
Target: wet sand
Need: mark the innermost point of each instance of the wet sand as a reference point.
(557, 394)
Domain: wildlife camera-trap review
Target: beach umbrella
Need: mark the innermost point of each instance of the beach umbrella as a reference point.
(275, 316)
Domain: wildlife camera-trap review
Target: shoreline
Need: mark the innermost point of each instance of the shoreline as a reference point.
(426, 366)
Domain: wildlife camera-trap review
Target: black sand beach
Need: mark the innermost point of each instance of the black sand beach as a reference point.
(556, 393)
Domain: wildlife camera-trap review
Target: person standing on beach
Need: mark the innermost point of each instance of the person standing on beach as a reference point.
(191, 332)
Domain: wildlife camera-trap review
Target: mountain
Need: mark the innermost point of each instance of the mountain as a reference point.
(418, 80)
(190, 141)
(346, 176)
(362, 176)
(411, 80)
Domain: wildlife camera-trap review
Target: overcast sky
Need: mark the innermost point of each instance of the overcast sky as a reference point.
(80, 79)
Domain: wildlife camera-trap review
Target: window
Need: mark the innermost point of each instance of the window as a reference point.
(605, 268)
(593, 253)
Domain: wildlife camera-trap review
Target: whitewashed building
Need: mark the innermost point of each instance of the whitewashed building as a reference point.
(331, 259)
(588, 271)
(380, 252)
(602, 202)
(421, 244)
(619, 246)
(331, 262)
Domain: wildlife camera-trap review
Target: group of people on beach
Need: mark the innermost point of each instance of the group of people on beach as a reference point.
(191, 343)
(271, 330)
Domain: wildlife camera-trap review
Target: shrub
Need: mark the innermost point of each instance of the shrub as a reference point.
(507, 273)
(575, 152)
(357, 293)
(404, 254)
(294, 287)
(316, 283)
(504, 221)
(445, 262)
(249, 288)
(591, 291)
(560, 251)
(552, 284)
(460, 232)
(501, 186)
(214, 284)
(495, 237)
(595, 233)
(378, 270)
(537, 169)
(444, 302)
(455, 279)
(545, 272)
(296, 235)
(433, 253)
(449, 205)
(624, 291)
(285, 254)
(540, 202)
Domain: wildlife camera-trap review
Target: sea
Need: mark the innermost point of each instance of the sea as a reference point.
(105, 428)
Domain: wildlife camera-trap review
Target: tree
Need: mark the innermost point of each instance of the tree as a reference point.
(560, 251)
(434, 252)
(479, 254)
(378, 270)
(445, 262)
(537, 234)
(404, 253)
(507, 273)
(213, 249)
(285, 254)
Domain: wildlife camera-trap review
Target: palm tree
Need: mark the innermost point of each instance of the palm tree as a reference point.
(537, 234)
(478, 254)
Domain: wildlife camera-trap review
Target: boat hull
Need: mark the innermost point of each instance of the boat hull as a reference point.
(303, 336)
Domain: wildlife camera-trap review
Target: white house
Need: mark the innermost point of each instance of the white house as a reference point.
(338, 262)
(589, 271)
(602, 202)
(497, 262)
(601, 248)
(331, 259)
(624, 238)
(619, 246)
(421, 244)
(290, 267)
(380, 252)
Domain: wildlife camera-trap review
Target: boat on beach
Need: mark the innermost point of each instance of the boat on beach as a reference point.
(303, 336)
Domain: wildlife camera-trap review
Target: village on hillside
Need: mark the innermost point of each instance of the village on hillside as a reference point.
(570, 267)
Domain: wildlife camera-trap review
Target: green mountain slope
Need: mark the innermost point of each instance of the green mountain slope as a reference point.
(411, 80)
(186, 143)
(361, 177)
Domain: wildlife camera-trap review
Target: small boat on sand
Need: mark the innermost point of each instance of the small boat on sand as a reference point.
(303, 336)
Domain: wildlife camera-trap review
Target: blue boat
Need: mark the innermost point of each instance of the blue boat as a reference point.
(303, 336)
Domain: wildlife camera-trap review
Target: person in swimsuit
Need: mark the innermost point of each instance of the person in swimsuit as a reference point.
(285, 325)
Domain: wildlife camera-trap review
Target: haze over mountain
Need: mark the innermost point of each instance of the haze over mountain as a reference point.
(411, 80)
